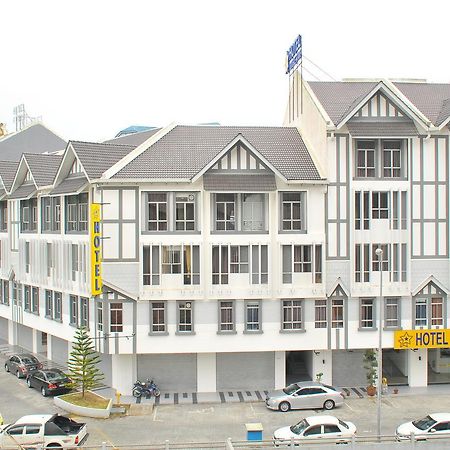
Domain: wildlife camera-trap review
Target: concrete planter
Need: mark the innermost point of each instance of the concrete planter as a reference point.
(83, 410)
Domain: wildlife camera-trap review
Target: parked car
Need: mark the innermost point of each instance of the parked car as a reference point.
(315, 427)
(49, 381)
(305, 395)
(22, 364)
(433, 424)
(48, 430)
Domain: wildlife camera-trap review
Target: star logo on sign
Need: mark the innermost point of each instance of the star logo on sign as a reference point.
(405, 340)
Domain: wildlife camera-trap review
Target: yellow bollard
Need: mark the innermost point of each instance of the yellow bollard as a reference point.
(118, 394)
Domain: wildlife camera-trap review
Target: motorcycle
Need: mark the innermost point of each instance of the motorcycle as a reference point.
(146, 389)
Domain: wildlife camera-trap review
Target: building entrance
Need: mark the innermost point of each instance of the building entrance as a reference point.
(395, 366)
(297, 364)
(438, 365)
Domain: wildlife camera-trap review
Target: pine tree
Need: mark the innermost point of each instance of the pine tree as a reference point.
(83, 361)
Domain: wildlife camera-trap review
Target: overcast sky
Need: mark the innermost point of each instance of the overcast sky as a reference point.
(92, 68)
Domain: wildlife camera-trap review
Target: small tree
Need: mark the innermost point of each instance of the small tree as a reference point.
(83, 361)
(370, 364)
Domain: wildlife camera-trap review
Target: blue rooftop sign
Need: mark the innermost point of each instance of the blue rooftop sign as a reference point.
(294, 55)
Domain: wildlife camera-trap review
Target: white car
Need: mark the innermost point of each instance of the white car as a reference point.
(435, 423)
(316, 427)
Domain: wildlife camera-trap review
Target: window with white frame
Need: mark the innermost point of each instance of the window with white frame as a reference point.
(299, 259)
(380, 262)
(50, 214)
(171, 259)
(115, 317)
(362, 210)
(4, 292)
(337, 313)
(84, 312)
(57, 310)
(421, 312)
(320, 314)
(293, 211)
(35, 300)
(73, 310)
(242, 259)
(99, 316)
(362, 265)
(3, 216)
(184, 212)
(77, 213)
(253, 212)
(437, 311)
(48, 304)
(158, 318)
(27, 298)
(380, 205)
(365, 159)
(185, 317)
(252, 316)
(226, 316)
(157, 219)
(367, 309)
(292, 315)
(392, 157)
(225, 212)
(391, 312)
(28, 215)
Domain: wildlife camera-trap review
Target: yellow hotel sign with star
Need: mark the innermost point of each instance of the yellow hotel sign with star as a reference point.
(405, 339)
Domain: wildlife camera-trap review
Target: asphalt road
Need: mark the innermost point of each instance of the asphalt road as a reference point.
(215, 422)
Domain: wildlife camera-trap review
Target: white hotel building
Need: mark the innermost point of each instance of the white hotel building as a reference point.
(241, 257)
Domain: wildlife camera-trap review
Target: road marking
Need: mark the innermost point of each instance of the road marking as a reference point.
(105, 437)
(155, 409)
(348, 406)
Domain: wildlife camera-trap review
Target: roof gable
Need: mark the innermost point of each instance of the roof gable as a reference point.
(43, 168)
(380, 106)
(8, 171)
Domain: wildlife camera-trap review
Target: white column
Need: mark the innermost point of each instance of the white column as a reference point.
(34, 338)
(206, 372)
(12, 338)
(417, 367)
(49, 346)
(322, 363)
(124, 372)
(280, 369)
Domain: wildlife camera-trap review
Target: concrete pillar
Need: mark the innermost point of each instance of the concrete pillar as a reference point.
(49, 346)
(206, 372)
(417, 368)
(322, 363)
(280, 369)
(12, 333)
(124, 372)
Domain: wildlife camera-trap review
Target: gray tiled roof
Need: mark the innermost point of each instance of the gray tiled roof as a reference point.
(239, 182)
(186, 150)
(97, 158)
(133, 138)
(43, 167)
(25, 191)
(338, 98)
(432, 99)
(35, 139)
(8, 172)
(71, 185)
(388, 129)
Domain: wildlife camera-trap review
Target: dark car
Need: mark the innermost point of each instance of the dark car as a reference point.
(22, 364)
(49, 381)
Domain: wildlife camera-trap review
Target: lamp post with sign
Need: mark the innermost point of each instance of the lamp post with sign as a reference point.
(379, 253)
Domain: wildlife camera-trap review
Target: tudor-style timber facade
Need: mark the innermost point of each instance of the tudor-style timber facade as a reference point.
(241, 257)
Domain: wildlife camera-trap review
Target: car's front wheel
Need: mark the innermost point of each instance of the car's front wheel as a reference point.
(328, 405)
(43, 391)
(6, 368)
(18, 374)
(284, 406)
(28, 382)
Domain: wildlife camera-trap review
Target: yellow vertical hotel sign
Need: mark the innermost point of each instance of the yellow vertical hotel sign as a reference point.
(96, 268)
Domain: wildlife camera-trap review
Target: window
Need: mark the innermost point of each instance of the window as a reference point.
(166, 259)
(77, 213)
(48, 304)
(367, 313)
(436, 311)
(362, 208)
(158, 317)
(51, 214)
(362, 265)
(27, 298)
(185, 317)
(320, 314)
(328, 428)
(116, 317)
(75, 262)
(4, 215)
(421, 312)
(4, 294)
(299, 259)
(292, 315)
(252, 212)
(99, 316)
(27, 257)
(157, 211)
(35, 300)
(365, 159)
(337, 313)
(383, 260)
(84, 312)
(73, 310)
(185, 212)
(391, 313)
(225, 212)
(380, 207)
(392, 151)
(252, 316)
(58, 306)
(241, 259)
(28, 215)
(226, 316)
(292, 211)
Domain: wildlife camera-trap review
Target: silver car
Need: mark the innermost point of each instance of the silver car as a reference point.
(305, 395)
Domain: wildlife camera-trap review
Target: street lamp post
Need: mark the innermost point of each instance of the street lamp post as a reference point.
(379, 253)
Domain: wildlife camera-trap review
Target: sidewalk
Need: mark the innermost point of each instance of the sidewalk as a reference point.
(234, 396)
